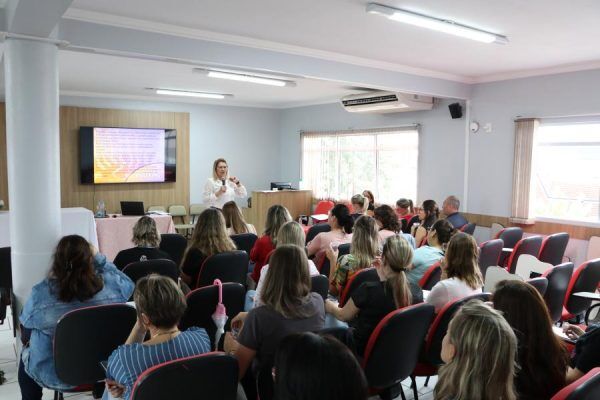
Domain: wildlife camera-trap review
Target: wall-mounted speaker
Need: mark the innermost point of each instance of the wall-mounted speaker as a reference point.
(455, 110)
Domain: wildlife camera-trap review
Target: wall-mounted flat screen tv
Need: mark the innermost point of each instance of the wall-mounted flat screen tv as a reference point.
(127, 155)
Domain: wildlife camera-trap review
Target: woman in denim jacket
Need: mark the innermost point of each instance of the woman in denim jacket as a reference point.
(79, 277)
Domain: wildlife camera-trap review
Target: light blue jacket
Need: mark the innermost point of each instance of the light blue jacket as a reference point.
(424, 257)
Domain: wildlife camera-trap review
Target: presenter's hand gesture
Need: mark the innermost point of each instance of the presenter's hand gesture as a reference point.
(222, 189)
(234, 179)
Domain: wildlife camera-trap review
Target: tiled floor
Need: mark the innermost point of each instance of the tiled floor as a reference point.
(10, 389)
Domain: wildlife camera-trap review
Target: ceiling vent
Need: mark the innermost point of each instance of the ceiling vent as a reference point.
(386, 102)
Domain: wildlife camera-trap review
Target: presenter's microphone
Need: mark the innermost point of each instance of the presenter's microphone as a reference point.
(223, 182)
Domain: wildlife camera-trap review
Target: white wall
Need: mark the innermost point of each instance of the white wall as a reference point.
(247, 137)
(442, 143)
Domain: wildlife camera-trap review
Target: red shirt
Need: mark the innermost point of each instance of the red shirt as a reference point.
(260, 254)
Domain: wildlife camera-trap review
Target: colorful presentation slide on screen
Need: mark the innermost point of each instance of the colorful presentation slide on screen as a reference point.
(129, 155)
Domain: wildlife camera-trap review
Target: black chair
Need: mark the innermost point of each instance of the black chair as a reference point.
(553, 248)
(174, 245)
(139, 269)
(86, 336)
(343, 249)
(585, 279)
(388, 361)
(585, 388)
(558, 282)
(431, 276)
(468, 228)
(489, 254)
(5, 282)
(540, 284)
(244, 241)
(230, 266)
(202, 302)
(315, 230)
(530, 245)
(510, 237)
(206, 376)
(320, 284)
(365, 275)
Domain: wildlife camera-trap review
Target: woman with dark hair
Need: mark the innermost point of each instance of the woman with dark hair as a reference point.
(542, 358)
(389, 225)
(425, 256)
(314, 367)
(146, 239)
(371, 207)
(234, 220)
(428, 214)
(341, 223)
(79, 277)
(277, 216)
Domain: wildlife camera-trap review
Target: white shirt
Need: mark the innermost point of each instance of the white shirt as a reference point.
(312, 270)
(447, 290)
(212, 186)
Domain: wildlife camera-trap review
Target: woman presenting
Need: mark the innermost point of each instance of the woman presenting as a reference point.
(222, 188)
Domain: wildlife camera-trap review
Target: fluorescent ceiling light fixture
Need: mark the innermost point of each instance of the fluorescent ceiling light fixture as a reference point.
(243, 77)
(436, 24)
(192, 94)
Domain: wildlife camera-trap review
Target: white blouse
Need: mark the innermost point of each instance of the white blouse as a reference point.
(312, 270)
(447, 290)
(212, 186)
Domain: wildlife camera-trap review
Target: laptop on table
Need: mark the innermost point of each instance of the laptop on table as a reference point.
(132, 208)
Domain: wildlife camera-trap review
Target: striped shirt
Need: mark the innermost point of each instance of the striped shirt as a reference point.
(128, 361)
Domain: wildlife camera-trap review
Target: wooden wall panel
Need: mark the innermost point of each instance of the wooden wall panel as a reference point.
(3, 160)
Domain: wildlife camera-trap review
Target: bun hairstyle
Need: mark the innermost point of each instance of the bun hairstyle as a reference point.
(397, 255)
(342, 214)
(360, 201)
(443, 232)
(432, 213)
(406, 203)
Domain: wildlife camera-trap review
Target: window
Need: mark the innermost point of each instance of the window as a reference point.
(565, 177)
(338, 165)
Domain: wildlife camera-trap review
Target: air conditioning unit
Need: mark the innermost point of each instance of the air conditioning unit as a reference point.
(386, 102)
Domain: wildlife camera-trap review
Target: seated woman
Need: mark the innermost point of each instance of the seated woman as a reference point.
(234, 220)
(160, 304)
(542, 358)
(209, 238)
(331, 369)
(479, 354)
(460, 272)
(146, 239)
(79, 277)
(405, 212)
(276, 216)
(288, 307)
(372, 301)
(428, 214)
(425, 256)
(363, 251)
(371, 199)
(389, 224)
(359, 206)
(587, 350)
(341, 223)
(290, 233)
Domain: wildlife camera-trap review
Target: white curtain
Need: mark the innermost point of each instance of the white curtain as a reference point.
(521, 197)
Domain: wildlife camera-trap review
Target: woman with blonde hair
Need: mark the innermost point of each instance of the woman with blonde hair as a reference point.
(209, 238)
(146, 239)
(364, 249)
(276, 216)
(222, 188)
(460, 272)
(360, 204)
(234, 220)
(372, 301)
(479, 353)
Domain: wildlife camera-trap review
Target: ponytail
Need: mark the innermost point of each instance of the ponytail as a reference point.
(411, 206)
(443, 232)
(342, 214)
(397, 255)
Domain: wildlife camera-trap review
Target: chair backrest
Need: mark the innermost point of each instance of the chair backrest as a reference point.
(585, 388)
(489, 254)
(584, 279)
(244, 241)
(530, 245)
(439, 327)
(174, 245)
(230, 266)
(493, 275)
(540, 284)
(86, 336)
(553, 248)
(157, 208)
(388, 359)
(365, 275)
(5, 268)
(593, 250)
(137, 270)
(558, 282)
(344, 249)
(202, 302)
(431, 276)
(494, 229)
(469, 228)
(510, 236)
(205, 376)
(196, 209)
(323, 207)
(320, 284)
(315, 230)
(177, 210)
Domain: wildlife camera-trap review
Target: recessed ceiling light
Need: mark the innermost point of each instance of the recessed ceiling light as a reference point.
(188, 93)
(436, 24)
(244, 77)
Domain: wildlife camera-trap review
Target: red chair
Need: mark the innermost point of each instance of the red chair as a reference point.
(206, 376)
(388, 361)
(423, 242)
(510, 237)
(585, 279)
(530, 245)
(558, 283)
(468, 228)
(365, 275)
(489, 254)
(229, 266)
(322, 207)
(431, 276)
(553, 248)
(585, 388)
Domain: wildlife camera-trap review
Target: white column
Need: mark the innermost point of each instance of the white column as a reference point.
(32, 138)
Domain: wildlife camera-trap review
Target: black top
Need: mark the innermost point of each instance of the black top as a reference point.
(191, 265)
(371, 207)
(457, 220)
(587, 350)
(406, 228)
(138, 254)
(375, 300)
